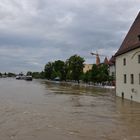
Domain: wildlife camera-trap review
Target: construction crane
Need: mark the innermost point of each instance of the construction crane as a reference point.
(97, 57)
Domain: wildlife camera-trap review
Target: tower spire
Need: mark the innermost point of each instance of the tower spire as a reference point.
(97, 59)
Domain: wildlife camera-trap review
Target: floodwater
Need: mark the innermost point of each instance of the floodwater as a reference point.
(39, 110)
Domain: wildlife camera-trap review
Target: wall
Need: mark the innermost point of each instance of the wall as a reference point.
(87, 67)
(132, 67)
(112, 70)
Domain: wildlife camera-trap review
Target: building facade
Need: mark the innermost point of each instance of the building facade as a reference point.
(128, 64)
(112, 68)
(87, 67)
(128, 75)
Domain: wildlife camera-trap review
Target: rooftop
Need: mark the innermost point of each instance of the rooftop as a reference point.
(132, 39)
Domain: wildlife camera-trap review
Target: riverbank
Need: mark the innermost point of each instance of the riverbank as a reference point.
(81, 84)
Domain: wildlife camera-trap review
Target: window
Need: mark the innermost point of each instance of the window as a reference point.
(132, 78)
(124, 61)
(125, 78)
(139, 78)
(138, 58)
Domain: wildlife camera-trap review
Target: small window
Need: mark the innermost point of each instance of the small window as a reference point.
(124, 61)
(139, 59)
(139, 78)
(125, 80)
(132, 78)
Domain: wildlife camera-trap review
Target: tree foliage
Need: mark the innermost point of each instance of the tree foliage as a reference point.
(48, 70)
(86, 77)
(100, 73)
(76, 65)
(72, 69)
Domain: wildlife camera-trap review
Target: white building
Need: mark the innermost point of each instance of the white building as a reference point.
(128, 64)
(112, 68)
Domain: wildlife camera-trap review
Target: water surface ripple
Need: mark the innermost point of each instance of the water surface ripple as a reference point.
(41, 110)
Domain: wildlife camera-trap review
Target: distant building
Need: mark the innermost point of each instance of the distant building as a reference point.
(110, 63)
(128, 64)
(87, 67)
(112, 68)
(106, 61)
(97, 59)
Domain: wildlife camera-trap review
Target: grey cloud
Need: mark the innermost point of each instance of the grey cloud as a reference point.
(37, 31)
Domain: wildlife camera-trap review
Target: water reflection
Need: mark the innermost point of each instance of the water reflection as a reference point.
(115, 118)
(68, 88)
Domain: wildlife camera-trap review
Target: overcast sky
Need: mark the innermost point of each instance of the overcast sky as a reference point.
(33, 32)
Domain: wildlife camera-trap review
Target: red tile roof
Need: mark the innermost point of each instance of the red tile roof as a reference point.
(112, 61)
(131, 40)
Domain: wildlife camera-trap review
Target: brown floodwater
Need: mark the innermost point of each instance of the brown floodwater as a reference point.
(40, 110)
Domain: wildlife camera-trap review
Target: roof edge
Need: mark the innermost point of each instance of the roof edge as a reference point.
(128, 50)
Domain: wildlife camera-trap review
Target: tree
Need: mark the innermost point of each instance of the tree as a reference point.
(59, 69)
(10, 74)
(65, 71)
(76, 65)
(48, 70)
(103, 73)
(94, 73)
(86, 77)
(36, 75)
(42, 75)
(58, 65)
(100, 73)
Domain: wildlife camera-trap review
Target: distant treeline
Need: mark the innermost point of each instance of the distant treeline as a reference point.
(72, 70)
(9, 74)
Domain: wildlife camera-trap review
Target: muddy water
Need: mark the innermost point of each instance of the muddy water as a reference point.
(39, 110)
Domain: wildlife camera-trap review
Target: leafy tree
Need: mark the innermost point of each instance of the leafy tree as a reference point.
(42, 75)
(58, 65)
(11, 74)
(94, 73)
(65, 71)
(76, 65)
(59, 69)
(86, 77)
(100, 73)
(48, 70)
(103, 73)
(36, 75)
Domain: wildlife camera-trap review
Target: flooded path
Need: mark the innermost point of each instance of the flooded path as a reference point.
(39, 110)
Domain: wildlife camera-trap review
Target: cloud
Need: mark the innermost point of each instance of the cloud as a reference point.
(37, 31)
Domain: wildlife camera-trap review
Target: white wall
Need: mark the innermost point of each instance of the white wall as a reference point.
(132, 67)
(112, 70)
